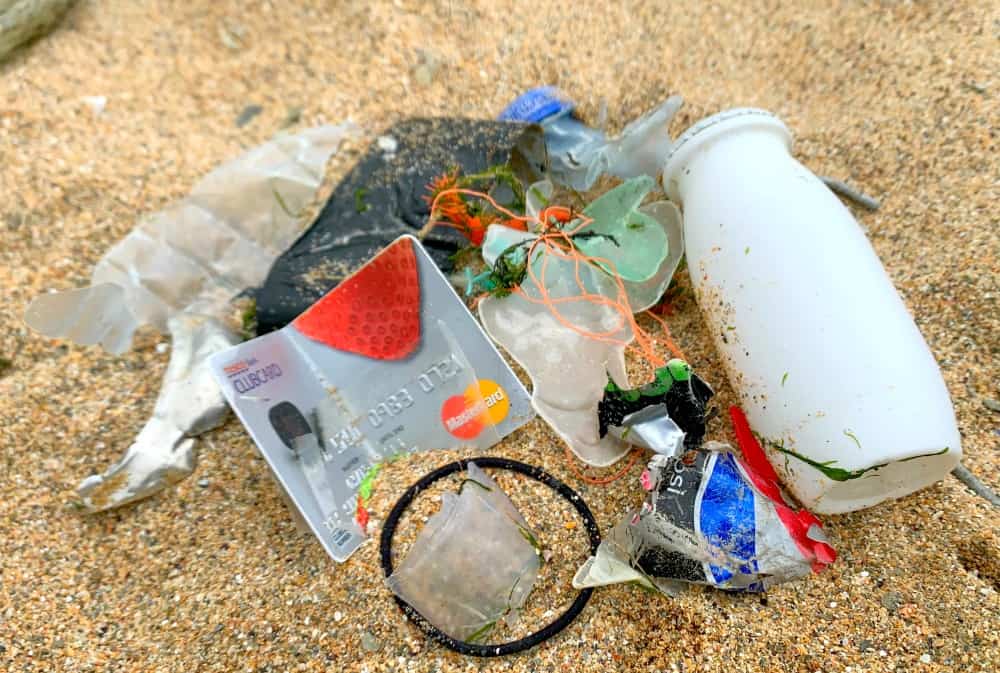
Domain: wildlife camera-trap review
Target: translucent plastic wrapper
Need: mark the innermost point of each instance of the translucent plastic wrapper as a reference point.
(199, 253)
(579, 154)
(178, 270)
(473, 563)
(708, 518)
(570, 352)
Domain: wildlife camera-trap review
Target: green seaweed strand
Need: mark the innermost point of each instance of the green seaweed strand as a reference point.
(839, 473)
(482, 632)
(480, 484)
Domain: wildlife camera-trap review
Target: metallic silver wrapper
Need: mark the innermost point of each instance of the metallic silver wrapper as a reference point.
(189, 404)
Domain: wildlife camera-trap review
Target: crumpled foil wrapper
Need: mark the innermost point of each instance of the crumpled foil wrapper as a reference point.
(708, 518)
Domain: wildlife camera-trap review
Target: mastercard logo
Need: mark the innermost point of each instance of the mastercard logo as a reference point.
(482, 404)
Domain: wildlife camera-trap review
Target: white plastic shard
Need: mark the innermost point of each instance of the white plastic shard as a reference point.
(653, 429)
(189, 404)
(499, 239)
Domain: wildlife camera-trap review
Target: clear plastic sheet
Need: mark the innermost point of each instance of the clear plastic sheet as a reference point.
(178, 270)
(473, 563)
(197, 254)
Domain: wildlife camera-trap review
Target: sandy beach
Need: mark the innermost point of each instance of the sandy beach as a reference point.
(899, 99)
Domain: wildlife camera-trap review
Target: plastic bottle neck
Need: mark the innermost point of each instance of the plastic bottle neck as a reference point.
(693, 142)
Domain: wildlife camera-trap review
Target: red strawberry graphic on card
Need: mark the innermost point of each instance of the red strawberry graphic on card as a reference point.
(375, 312)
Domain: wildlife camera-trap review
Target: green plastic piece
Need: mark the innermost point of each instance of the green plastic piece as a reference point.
(632, 242)
(675, 371)
(365, 488)
(679, 370)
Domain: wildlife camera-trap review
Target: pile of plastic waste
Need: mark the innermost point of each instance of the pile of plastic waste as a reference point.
(558, 276)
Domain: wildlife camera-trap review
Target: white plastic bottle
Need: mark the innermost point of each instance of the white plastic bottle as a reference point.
(830, 368)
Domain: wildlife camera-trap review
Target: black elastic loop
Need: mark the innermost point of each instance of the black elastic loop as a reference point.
(536, 473)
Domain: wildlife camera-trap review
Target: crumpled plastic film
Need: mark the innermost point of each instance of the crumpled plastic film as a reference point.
(177, 270)
(473, 563)
(200, 252)
(708, 519)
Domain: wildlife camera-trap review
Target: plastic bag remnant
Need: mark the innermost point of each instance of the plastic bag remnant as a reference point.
(708, 518)
(178, 270)
(473, 564)
(200, 252)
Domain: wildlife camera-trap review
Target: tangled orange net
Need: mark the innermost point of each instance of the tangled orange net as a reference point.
(446, 199)
(554, 241)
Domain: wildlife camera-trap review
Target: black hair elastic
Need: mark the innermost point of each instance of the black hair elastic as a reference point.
(536, 473)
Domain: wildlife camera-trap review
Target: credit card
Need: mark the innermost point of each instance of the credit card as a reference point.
(389, 362)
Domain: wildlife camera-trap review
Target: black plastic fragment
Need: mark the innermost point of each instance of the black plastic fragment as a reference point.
(685, 397)
(382, 198)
